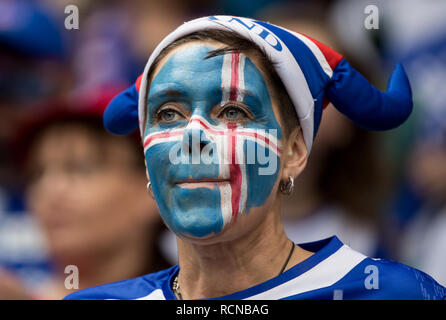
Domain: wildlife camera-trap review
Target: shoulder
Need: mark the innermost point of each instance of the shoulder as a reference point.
(339, 272)
(409, 282)
(147, 287)
(387, 279)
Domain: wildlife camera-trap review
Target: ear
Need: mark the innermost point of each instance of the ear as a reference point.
(142, 200)
(294, 155)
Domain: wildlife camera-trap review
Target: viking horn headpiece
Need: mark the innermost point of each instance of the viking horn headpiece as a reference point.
(311, 72)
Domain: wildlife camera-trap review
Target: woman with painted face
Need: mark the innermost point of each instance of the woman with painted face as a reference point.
(227, 110)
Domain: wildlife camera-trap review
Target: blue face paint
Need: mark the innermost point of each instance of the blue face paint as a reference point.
(205, 96)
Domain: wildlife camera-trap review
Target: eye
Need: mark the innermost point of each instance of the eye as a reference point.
(167, 115)
(234, 113)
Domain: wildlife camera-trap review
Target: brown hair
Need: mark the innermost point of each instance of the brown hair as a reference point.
(234, 42)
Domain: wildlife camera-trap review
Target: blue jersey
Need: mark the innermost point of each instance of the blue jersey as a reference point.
(334, 271)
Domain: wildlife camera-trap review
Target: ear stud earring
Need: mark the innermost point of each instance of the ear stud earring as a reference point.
(286, 187)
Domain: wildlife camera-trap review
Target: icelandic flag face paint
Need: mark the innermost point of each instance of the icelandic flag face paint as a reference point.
(215, 151)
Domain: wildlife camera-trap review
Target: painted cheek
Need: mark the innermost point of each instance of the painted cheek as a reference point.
(254, 168)
(258, 153)
(193, 212)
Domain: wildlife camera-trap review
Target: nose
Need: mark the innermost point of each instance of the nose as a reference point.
(53, 179)
(193, 143)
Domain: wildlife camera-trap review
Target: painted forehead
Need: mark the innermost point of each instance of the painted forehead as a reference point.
(186, 74)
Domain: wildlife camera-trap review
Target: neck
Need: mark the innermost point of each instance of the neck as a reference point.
(307, 198)
(220, 269)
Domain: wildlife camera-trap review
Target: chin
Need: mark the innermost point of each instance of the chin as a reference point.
(211, 238)
(233, 231)
(196, 215)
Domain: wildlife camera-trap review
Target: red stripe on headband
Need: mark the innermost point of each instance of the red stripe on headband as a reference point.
(138, 83)
(333, 58)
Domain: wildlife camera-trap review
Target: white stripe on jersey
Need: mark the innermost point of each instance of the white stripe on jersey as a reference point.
(326, 273)
(154, 295)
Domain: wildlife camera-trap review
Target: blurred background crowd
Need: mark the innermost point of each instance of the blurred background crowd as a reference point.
(72, 194)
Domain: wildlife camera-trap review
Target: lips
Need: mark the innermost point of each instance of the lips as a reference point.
(201, 183)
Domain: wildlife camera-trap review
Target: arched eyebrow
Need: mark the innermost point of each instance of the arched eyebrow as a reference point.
(251, 98)
(173, 93)
(242, 92)
(167, 93)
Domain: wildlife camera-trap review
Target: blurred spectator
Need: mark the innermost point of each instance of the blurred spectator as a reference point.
(87, 190)
(425, 234)
(413, 32)
(342, 190)
(40, 61)
(244, 8)
(419, 40)
(33, 52)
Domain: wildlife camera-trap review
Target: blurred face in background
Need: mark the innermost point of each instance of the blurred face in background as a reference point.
(87, 190)
(427, 171)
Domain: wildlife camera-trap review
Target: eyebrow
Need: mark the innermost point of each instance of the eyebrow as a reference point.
(166, 93)
(243, 92)
(173, 93)
(252, 96)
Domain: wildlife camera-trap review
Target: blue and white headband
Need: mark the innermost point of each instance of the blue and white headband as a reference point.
(313, 75)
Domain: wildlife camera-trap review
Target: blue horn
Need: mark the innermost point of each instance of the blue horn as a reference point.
(364, 104)
(121, 115)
